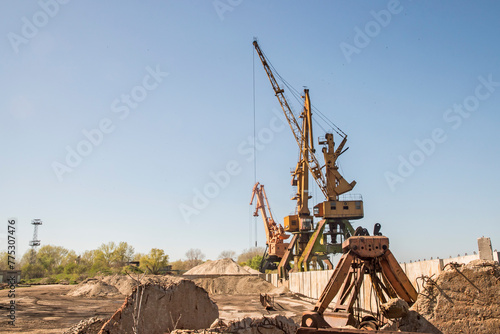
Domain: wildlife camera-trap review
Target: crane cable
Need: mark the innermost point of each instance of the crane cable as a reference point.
(297, 95)
(254, 142)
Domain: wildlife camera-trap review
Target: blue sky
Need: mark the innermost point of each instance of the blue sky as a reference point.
(164, 89)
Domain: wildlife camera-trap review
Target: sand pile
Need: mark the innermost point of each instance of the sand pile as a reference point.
(115, 284)
(461, 300)
(234, 285)
(252, 271)
(124, 283)
(92, 287)
(161, 307)
(265, 325)
(220, 267)
(280, 291)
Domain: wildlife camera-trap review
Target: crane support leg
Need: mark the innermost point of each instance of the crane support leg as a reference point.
(395, 274)
(305, 258)
(285, 260)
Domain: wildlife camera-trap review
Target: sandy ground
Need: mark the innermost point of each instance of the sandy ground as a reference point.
(47, 308)
(237, 307)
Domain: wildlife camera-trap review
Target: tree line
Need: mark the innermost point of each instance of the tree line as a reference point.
(51, 264)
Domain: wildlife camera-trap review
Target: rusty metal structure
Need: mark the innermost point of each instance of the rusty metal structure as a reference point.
(310, 242)
(363, 256)
(275, 234)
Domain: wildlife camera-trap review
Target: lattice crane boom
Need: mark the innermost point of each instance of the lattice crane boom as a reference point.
(298, 133)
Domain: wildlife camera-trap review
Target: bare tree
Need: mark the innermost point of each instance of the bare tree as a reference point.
(250, 253)
(227, 254)
(194, 257)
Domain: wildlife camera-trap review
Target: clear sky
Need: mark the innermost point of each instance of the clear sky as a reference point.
(133, 121)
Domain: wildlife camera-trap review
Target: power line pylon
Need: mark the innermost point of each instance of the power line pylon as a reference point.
(35, 242)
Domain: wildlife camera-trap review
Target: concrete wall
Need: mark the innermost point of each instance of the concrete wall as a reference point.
(416, 270)
(461, 259)
(271, 278)
(309, 283)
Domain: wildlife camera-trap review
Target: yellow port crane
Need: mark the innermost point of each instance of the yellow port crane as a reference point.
(275, 234)
(309, 242)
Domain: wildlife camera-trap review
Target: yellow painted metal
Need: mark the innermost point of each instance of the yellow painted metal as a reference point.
(308, 253)
(291, 223)
(351, 209)
(285, 260)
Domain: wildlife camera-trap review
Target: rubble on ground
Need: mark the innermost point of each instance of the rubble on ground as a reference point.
(265, 325)
(395, 308)
(220, 267)
(462, 299)
(87, 326)
(162, 306)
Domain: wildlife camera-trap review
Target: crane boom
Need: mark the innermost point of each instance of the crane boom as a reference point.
(311, 161)
(274, 231)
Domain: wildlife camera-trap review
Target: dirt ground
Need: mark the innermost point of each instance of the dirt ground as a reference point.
(48, 309)
(237, 307)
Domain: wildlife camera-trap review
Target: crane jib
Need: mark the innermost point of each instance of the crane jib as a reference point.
(312, 162)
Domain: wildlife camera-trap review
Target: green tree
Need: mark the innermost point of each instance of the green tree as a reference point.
(4, 261)
(138, 256)
(254, 262)
(249, 254)
(70, 263)
(111, 255)
(105, 253)
(122, 254)
(30, 271)
(179, 265)
(154, 261)
(50, 258)
(86, 261)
